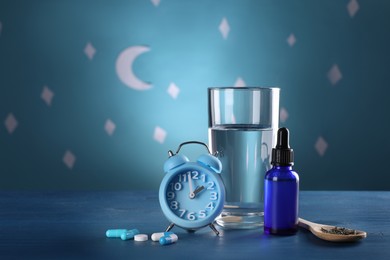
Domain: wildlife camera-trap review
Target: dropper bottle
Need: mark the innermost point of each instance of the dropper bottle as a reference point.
(281, 190)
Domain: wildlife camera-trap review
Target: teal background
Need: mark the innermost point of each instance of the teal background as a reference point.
(42, 44)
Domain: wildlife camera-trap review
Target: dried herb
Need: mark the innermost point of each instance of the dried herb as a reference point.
(339, 231)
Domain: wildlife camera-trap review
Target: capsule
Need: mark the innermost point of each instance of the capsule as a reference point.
(167, 240)
(156, 236)
(115, 232)
(129, 234)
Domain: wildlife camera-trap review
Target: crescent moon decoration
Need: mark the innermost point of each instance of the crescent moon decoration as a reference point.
(124, 67)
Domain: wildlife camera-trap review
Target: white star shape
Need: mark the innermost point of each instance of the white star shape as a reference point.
(291, 40)
(155, 2)
(173, 90)
(109, 126)
(69, 159)
(159, 134)
(334, 74)
(47, 95)
(283, 115)
(89, 50)
(224, 28)
(321, 146)
(352, 7)
(239, 83)
(11, 123)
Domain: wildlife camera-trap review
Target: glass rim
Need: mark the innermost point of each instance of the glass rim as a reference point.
(249, 87)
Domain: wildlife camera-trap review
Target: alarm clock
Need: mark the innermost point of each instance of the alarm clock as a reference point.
(192, 194)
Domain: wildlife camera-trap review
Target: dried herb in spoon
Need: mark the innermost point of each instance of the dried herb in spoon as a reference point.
(339, 231)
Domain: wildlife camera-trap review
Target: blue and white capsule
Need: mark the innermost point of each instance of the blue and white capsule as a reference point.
(115, 232)
(129, 234)
(156, 236)
(167, 240)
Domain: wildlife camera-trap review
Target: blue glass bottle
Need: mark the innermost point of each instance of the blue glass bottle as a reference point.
(281, 190)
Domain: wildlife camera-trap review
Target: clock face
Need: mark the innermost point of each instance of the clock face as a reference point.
(192, 197)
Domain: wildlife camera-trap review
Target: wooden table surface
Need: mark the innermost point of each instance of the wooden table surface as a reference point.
(72, 225)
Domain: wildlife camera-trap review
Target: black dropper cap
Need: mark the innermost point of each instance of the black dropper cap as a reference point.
(282, 154)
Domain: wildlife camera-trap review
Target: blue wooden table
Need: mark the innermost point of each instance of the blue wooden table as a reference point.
(72, 225)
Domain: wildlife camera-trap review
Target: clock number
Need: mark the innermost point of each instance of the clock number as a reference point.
(202, 213)
(213, 195)
(191, 216)
(203, 177)
(195, 175)
(176, 186)
(183, 211)
(170, 195)
(174, 205)
(210, 185)
(183, 177)
(210, 206)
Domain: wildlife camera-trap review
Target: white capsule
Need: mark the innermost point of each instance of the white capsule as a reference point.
(156, 236)
(167, 240)
(140, 237)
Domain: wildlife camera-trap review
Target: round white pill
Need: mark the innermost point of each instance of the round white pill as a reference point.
(140, 237)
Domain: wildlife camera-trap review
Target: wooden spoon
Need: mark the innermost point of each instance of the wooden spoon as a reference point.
(330, 233)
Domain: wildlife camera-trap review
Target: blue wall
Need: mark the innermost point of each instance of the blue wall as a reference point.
(56, 101)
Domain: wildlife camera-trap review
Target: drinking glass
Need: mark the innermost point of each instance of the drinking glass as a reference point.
(243, 122)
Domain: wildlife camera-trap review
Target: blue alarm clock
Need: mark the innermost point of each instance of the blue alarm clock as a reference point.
(192, 194)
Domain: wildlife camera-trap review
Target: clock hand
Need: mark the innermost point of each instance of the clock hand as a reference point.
(198, 189)
(192, 194)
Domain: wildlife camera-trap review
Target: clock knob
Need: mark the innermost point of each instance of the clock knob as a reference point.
(210, 161)
(175, 161)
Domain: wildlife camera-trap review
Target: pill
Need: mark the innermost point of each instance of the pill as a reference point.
(140, 237)
(167, 240)
(157, 236)
(129, 234)
(115, 232)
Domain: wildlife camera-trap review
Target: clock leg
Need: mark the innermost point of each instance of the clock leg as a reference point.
(169, 227)
(214, 229)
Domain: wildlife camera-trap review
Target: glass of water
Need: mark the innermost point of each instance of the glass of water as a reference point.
(243, 122)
